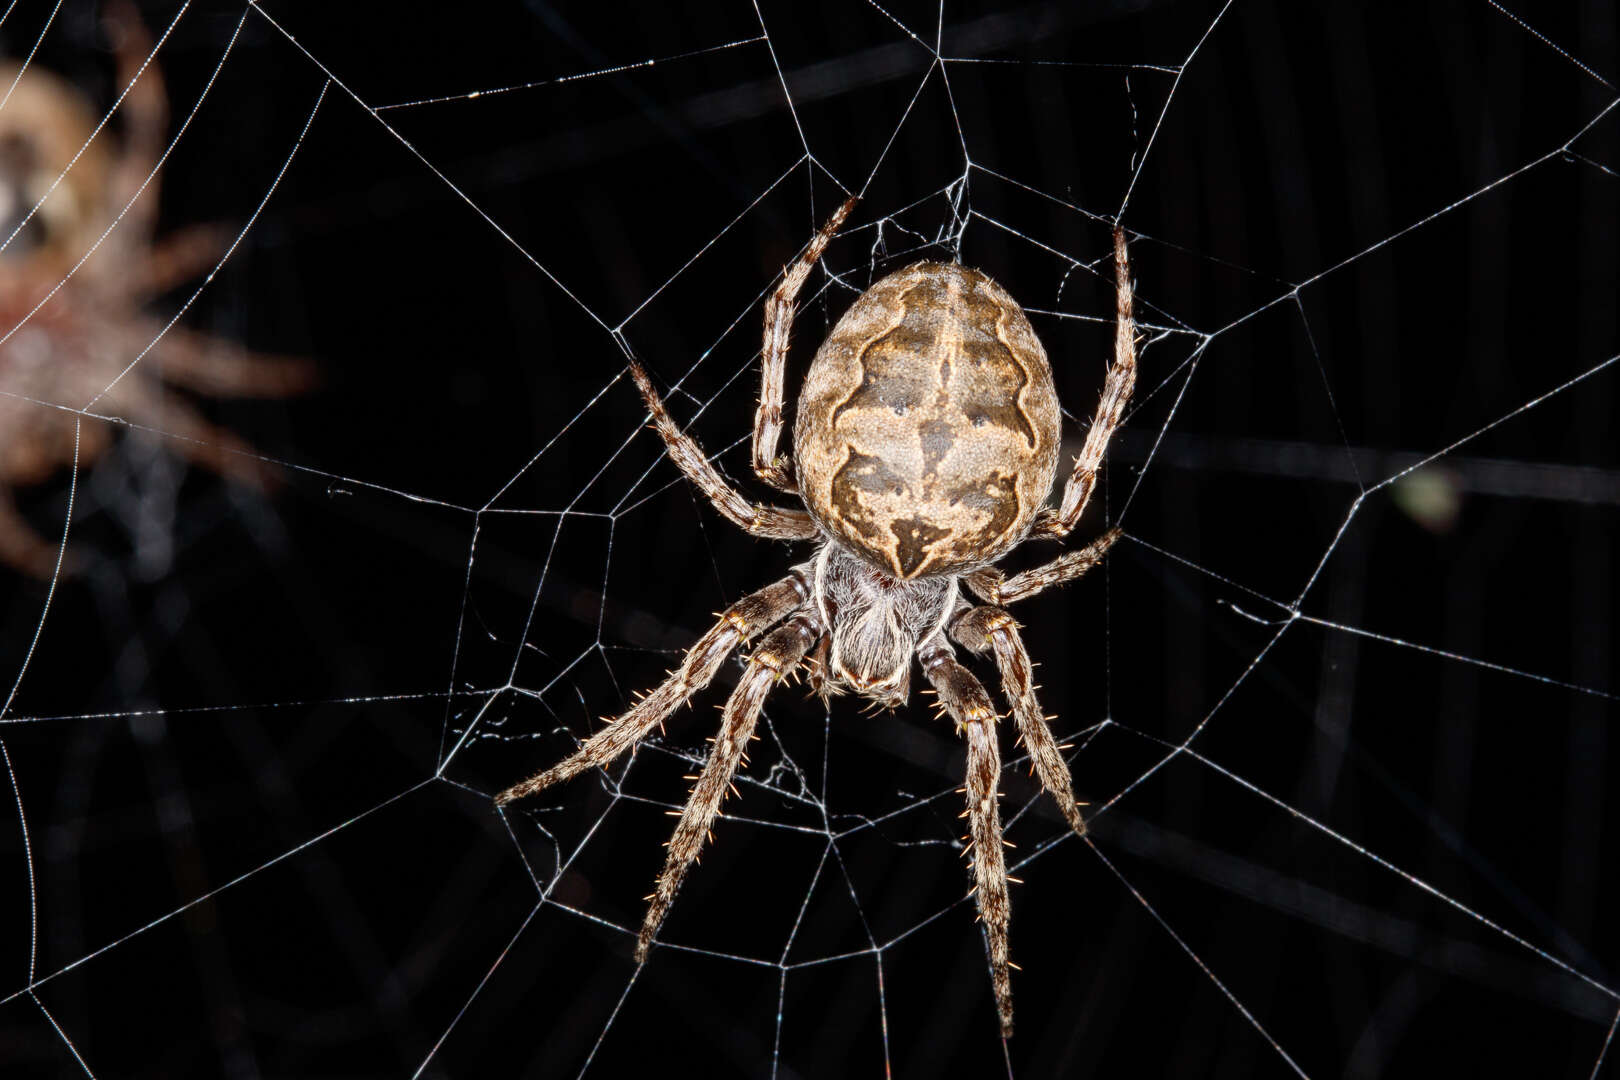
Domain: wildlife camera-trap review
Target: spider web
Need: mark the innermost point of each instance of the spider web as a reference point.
(1339, 701)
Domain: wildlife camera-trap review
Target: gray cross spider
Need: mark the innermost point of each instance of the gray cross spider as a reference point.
(925, 446)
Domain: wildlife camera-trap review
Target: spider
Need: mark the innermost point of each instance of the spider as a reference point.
(68, 332)
(925, 448)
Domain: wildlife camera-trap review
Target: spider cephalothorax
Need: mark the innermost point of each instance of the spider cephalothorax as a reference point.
(926, 444)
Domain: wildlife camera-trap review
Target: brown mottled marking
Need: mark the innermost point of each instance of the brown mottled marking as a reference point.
(914, 538)
(859, 484)
(927, 433)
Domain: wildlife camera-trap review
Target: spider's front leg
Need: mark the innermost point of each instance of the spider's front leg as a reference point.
(774, 470)
(965, 699)
(775, 657)
(738, 623)
(1115, 393)
(992, 629)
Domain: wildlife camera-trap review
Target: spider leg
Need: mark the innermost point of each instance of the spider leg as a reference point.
(200, 440)
(992, 629)
(180, 256)
(769, 521)
(775, 657)
(778, 471)
(988, 584)
(964, 697)
(146, 123)
(1115, 393)
(737, 623)
(221, 368)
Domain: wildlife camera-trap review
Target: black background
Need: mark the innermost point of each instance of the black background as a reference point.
(258, 684)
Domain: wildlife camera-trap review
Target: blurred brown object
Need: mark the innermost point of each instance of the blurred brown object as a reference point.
(73, 293)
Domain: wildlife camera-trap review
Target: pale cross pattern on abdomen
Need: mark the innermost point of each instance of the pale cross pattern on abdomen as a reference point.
(940, 402)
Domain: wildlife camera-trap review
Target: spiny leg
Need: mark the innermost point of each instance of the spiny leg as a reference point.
(769, 521)
(775, 657)
(965, 699)
(992, 629)
(774, 470)
(738, 623)
(988, 584)
(1115, 393)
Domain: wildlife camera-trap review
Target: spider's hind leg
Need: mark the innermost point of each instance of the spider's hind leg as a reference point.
(738, 623)
(775, 657)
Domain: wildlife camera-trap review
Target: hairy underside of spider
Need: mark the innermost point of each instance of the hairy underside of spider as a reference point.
(925, 448)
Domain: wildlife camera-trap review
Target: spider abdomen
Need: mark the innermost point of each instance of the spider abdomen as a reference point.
(927, 431)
